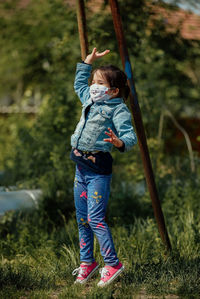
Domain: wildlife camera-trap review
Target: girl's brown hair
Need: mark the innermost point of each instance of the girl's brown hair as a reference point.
(116, 78)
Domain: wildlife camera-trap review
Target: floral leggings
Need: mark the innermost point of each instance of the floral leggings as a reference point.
(91, 193)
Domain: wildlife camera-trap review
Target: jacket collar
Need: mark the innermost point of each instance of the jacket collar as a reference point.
(114, 101)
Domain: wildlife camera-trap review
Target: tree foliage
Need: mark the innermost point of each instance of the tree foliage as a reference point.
(39, 50)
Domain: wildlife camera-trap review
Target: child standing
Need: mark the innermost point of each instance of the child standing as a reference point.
(103, 109)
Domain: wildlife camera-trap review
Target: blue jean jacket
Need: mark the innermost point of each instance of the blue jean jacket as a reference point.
(113, 113)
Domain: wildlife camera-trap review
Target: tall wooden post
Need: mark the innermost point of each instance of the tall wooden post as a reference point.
(82, 28)
(139, 123)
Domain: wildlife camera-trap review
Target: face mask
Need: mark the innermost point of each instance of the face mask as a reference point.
(99, 93)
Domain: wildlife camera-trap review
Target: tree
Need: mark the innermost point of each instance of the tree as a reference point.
(39, 50)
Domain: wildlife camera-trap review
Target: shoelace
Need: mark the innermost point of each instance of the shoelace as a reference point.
(79, 271)
(103, 272)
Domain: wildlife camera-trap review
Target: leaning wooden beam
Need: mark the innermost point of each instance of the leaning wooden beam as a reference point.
(139, 124)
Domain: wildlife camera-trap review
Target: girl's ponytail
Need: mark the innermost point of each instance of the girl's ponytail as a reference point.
(126, 92)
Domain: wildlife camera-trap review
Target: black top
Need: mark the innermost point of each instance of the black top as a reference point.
(102, 165)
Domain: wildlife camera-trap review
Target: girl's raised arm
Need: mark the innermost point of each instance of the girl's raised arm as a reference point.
(83, 72)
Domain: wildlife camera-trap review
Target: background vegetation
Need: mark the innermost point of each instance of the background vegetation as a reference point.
(39, 50)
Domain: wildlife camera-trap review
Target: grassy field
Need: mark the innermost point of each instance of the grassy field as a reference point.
(40, 249)
(37, 259)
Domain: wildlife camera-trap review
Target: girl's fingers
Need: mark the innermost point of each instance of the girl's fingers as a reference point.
(109, 129)
(108, 140)
(105, 52)
(109, 134)
(92, 158)
(94, 51)
(102, 53)
(113, 138)
(95, 55)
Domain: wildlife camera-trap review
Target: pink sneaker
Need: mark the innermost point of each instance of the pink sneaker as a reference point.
(108, 274)
(85, 272)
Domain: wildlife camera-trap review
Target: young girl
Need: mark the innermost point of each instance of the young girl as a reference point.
(103, 109)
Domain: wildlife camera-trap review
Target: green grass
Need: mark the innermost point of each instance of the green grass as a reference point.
(39, 250)
(42, 268)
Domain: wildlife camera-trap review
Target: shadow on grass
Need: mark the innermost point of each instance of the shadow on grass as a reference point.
(176, 276)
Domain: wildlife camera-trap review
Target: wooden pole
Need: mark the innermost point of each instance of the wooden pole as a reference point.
(82, 28)
(139, 124)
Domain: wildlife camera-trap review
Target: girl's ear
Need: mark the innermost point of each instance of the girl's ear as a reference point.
(115, 92)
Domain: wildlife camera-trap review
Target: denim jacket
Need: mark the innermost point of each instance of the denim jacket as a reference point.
(112, 113)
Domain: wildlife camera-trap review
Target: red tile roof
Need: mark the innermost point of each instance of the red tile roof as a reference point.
(188, 23)
(23, 3)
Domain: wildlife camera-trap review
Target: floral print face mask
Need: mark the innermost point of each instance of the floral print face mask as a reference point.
(99, 93)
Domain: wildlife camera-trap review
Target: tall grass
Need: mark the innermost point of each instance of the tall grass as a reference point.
(38, 256)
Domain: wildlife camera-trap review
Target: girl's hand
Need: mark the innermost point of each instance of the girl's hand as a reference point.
(113, 139)
(95, 55)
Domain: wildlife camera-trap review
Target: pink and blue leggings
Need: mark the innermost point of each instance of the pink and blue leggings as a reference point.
(91, 193)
